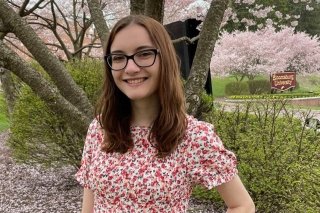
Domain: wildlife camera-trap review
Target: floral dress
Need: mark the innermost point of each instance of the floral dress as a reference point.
(138, 181)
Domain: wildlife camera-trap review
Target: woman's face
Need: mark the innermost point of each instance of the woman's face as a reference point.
(136, 82)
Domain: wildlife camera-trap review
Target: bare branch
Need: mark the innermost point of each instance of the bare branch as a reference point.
(48, 21)
(88, 46)
(54, 22)
(24, 12)
(18, 48)
(54, 45)
(67, 29)
(93, 40)
(23, 7)
(75, 17)
(62, 45)
(42, 7)
(186, 39)
(14, 4)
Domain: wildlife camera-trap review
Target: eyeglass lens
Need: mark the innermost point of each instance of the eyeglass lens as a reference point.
(143, 58)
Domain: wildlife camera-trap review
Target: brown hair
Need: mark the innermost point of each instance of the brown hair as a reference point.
(114, 109)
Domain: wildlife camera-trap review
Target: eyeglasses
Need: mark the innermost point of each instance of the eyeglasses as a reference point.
(144, 58)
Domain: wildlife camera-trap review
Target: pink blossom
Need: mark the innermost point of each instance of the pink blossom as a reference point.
(265, 51)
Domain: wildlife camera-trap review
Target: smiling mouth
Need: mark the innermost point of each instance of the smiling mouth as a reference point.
(135, 81)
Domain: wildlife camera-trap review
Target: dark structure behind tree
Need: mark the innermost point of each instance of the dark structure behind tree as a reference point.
(187, 51)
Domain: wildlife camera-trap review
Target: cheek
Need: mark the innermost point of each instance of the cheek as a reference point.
(115, 76)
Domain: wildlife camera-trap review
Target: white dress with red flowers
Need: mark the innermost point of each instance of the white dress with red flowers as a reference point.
(138, 181)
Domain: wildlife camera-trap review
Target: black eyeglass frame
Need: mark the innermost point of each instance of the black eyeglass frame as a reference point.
(106, 57)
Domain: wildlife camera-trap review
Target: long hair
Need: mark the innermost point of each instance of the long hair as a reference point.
(113, 109)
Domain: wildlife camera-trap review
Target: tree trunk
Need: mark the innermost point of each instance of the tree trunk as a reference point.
(44, 89)
(98, 20)
(154, 9)
(9, 89)
(51, 64)
(137, 7)
(201, 61)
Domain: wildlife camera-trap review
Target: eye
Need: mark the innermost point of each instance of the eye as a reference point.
(145, 54)
(118, 58)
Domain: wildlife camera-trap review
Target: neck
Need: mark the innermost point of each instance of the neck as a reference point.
(144, 113)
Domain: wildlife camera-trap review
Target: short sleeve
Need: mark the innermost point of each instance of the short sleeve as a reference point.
(85, 174)
(210, 164)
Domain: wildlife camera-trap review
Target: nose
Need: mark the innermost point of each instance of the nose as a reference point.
(131, 67)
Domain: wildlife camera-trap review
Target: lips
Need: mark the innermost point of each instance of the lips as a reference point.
(135, 81)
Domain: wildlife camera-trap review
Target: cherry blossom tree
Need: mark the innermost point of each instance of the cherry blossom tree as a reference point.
(67, 27)
(248, 54)
(80, 21)
(256, 14)
(63, 95)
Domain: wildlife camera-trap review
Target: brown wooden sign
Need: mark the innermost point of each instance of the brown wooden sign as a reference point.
(283, 81)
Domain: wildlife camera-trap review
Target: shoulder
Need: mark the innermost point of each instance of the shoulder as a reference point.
(95, 132)
(201, 134)
(196, 127)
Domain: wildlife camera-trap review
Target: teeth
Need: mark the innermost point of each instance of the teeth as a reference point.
(135, 81)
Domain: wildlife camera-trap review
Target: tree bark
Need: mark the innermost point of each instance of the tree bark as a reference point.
(154, 9)
(51, 64)
(44, 89)
(98, 20)
(137, 7)
(9, 90)
(201, 62)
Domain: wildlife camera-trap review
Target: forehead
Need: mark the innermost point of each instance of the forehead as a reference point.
(130, 39)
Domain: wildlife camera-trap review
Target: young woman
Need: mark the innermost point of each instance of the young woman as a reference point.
(143, 153)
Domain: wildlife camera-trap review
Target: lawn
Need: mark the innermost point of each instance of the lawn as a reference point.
(218, 85)
(4, 123)
(306, 84)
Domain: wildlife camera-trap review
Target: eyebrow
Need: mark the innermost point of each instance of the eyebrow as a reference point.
(136, 50)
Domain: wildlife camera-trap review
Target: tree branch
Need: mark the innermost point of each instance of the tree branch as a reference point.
(154, 9)
(23, 7)
(201, 62)
(67, 29)
(24, 12)
(19, 49)
(51, 64)
(98, 20)
(44, 89)
(87, 46)
(137, 6)
(186, 39)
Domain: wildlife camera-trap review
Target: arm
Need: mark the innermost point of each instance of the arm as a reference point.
(87, 203)
(236, 196)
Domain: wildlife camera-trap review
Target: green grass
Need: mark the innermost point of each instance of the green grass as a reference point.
(4, 123)
(306, 84)
(218, 85)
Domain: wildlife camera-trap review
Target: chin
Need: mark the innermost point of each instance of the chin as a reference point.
(136, 97)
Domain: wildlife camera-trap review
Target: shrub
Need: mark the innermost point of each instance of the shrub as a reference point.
(259, 86)
(41, 136)
(3, 113)
(280, 96)
(237, 88)
(278, 159)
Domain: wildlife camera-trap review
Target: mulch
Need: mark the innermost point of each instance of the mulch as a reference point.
(33, 188)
